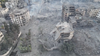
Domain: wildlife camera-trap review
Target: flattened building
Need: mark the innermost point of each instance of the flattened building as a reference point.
(20, 16)
(63, 31)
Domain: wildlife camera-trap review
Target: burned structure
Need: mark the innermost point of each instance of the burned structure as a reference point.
(67, 11)
(20, 16)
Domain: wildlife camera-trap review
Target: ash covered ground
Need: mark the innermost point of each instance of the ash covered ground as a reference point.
(46, 15)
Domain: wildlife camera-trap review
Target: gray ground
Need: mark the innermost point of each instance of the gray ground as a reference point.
(47, 24)
(86, 40)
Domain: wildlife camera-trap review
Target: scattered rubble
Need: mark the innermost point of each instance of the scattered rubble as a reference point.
(94, 12)
(80, 23)
(79, 35)
(63, 31)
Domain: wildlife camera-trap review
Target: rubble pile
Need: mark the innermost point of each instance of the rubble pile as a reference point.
(77, 25)
(74, 20)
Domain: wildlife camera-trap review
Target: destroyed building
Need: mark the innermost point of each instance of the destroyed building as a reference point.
(81, 10)
(20, 16)
(67, 11)
(63, 31)
(69, 14)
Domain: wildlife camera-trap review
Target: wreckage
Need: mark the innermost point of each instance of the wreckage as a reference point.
(62, 32)
(94, 12)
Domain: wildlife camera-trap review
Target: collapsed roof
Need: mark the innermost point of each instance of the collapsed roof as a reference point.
(63, 31)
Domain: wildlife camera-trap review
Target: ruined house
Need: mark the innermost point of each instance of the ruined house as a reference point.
(78, 15)
(20, 16)
(67, 10)
(63, 31)
(82, 11)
